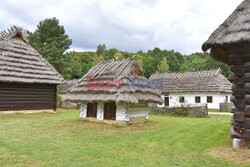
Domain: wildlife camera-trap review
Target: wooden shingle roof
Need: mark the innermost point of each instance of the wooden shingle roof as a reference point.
(194, 81)
(114, 70)
(21, 63)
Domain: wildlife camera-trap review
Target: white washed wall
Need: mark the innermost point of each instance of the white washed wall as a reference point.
(83, 110)
(121, 113)
(137, 110)
(190, 98)
(100, 111)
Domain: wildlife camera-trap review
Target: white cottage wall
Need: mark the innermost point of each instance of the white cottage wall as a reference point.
(121, 113)
(137, 110)
(189, 98)
(83, 110)
(100, 111)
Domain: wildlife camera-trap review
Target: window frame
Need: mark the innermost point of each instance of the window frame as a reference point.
(199, 101)
(208, 99)
(181, 99)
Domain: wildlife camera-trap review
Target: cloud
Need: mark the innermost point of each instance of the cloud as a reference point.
(130, 25)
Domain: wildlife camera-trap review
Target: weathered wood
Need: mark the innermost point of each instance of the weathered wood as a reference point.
(240, 82)
(247, 123)
(244, 135)
(232, 77)
(239, 103)
(238, 70)
(245, 111)
(239, 116)
(235, 59)
(16, 96)
(236, 123)
(239, 93)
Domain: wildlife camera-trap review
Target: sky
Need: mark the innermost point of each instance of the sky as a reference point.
(128, 25)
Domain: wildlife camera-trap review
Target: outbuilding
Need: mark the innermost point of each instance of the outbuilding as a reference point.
(27, 81)
(115, 90)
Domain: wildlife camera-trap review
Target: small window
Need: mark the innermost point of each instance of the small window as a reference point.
(197, 99)
(226, 99)
(181, 99)
(209, 99)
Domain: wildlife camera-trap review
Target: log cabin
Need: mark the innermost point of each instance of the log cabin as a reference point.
(106, 93)
(194, 88)
(27, 81)
(230, 43)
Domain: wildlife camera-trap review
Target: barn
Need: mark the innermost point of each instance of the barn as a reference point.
(114, 90)
(195, 88)
(27, 81)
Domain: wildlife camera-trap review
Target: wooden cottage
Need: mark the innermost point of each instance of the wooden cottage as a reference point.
(230, 43)
(114, 90)
(195, 88)
(27, 81)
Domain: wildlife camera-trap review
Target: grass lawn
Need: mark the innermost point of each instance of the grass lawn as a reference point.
(62, 139)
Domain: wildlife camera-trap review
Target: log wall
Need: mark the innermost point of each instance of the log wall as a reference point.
(16, 96)
(240, 66)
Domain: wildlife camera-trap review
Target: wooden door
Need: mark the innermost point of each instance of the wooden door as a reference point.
(166, 99)
(110, 111)
(91, 110)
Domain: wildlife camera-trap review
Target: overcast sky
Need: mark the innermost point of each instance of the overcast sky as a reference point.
(131, 25)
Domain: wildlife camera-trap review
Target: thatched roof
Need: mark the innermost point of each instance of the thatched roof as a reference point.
(194, 81)
(114, 70)
(233, 33)
(63, 89)
(20, 62)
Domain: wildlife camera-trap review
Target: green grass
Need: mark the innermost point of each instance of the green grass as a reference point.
(213, 110)
(62, 139)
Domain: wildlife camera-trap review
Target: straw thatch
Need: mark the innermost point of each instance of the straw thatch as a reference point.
(21, 63)
(63, 89)
(114, 70)
(233, 34)
(194, 81)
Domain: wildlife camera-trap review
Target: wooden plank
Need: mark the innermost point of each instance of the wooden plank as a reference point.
(247, 123)
(238, 70)
(244, 135)
(239, 116)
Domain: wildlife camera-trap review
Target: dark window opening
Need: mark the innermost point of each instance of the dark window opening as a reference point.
(181, 99)
(209, 99)
(197, 99)
(166, 100)
(226, 99)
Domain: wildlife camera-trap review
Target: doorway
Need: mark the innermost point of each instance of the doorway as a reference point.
(110, 111)
(91, 110)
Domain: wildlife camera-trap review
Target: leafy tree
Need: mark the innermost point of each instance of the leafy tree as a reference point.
(118, 56)
(51, 41)
(163, 66)
(100, 49)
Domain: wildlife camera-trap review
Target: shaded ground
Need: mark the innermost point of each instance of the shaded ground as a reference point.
(62, 139)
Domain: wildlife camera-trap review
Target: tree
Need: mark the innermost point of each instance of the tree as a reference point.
(50, 40)
(163, 66)
(100, 49)
(118, 56)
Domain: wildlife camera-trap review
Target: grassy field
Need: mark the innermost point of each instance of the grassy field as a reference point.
(62, 139)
